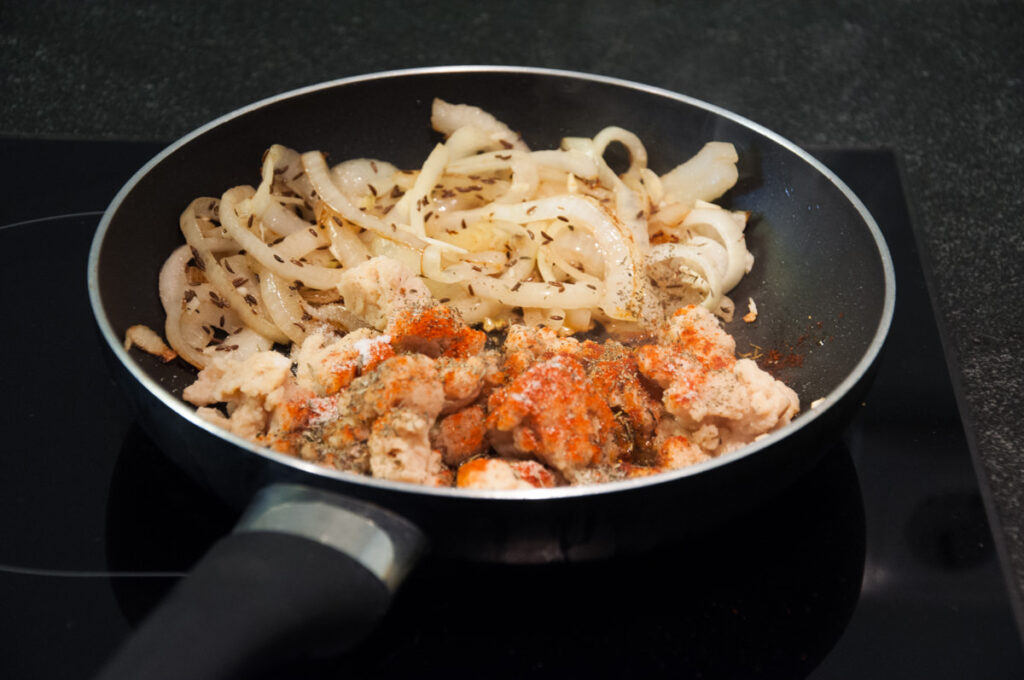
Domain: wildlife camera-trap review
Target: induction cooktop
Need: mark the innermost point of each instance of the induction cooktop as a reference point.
(878, 563)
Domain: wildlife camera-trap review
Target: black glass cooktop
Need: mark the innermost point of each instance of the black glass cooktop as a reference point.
(879, 563)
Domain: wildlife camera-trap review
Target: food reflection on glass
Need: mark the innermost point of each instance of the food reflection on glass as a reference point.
(500, 318)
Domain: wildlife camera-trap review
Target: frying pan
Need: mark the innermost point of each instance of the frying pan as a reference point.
(318, 553)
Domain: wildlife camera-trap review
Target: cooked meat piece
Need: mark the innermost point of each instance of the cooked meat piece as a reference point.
(663, 364)
(377, 289)
(248, 418)
(615, 375)
(326, 363)
(435, 331)
(293, 408)
(771, 404)
(498, 474)
(719, 403)
(226, 380)
(611, 369)
(407, 381)
(355, 458)
(679, 451)
(399, 447)
(344, 432)
(553, 413)
(718, 395)
(462, 435)
(248, 389)
(330, 426)
(698, 332)
(525, 345)
(463, 380)
(695, 371)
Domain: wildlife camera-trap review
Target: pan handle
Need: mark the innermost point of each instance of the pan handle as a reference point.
(306, 572)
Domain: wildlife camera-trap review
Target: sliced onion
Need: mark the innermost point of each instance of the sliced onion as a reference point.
(475, 309)
(721, 224)
(316, 170)
(284, 305)
(280, 164)
(219, 278)
(622, 286)
(361, 177)
(524, 182)
(573, 161)
(447, 118)
(172, 281)
(537, 294)
(280, 220)
(627, 203)
(679, 258)
(410, 206)
(705, 176)
(172, 285)
(346, 246)
(413, 259)
(301, 243)
(311, 275)
(239, 346)
(579, 320)
(578, 244)
(476, 264)
(469, 141)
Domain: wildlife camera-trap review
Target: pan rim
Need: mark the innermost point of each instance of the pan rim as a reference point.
(538, 495)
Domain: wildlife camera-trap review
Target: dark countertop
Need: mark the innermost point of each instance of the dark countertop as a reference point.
(941, 83)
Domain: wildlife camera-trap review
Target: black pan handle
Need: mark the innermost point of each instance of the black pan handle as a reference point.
(306, 572)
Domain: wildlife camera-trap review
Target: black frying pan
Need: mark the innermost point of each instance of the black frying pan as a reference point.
(318, 552)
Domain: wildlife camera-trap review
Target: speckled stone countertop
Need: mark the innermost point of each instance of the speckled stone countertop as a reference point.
(941, 83)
